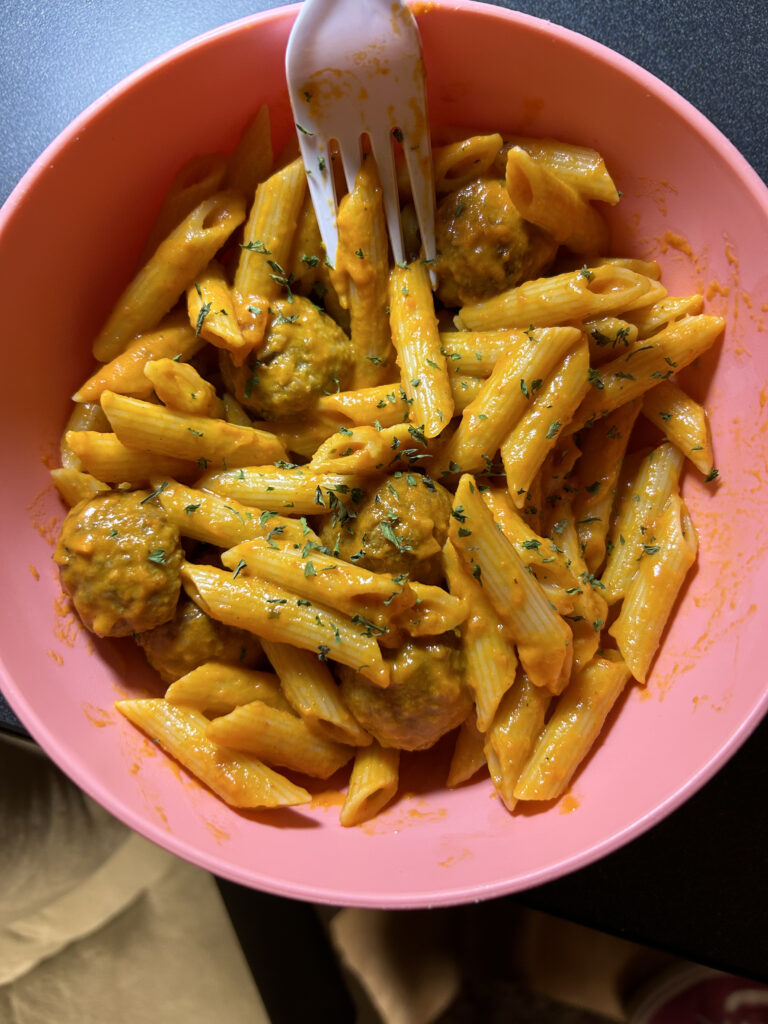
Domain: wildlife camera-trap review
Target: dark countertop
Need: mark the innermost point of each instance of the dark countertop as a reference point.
(695, 884)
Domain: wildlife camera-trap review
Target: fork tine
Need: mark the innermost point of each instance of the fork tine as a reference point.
(418, 158)
(385, 164)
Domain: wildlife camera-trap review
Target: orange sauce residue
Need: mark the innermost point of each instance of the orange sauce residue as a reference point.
(327, 799)
(35, 573)
(671, 240)
(569, 804)
(56, 657)
(218, 833)
(97, 716)
(46, 514)
(454, 858)
(423, 7)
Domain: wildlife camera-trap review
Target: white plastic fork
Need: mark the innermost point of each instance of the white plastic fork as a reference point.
(355, 69)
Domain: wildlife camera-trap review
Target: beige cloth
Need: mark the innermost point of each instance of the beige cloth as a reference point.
(99, 926)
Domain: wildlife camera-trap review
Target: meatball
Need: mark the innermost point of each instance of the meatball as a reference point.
(119, 560)
(305, 354)
(192, 638)
(401, 527)
(426, 698)
(485, 245)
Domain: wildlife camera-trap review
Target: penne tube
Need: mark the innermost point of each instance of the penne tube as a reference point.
(551, 301)
(423, 371)
(458, 163)
(215, 688)
(181, 388)
(573, 728)
(173, 338)
(168, 273)
(295, 489)
(197, 180)
(198, 439)
(307, 260)
(223, 522)
(645, 364)
(475, 353)
(85, 416)
(279, 738)
(542, 638)
(267, 237)
(513, 735)
(650, 319)
(362, 275)
(212, 312)
(468, 754)
(433, 612)
(684, 422)
(108, 459)
(652, 484)
(669, 551)
(582, 168)
(239, 780)
(314, 695)
(559, 568)
(528, 443)
(490, 662)
(277, 614)
(250, 161)
(503, 400)
(372, 784)
(387, 405)
(365, 450)
(312, 572)
(543, 198)
(603, 447)
(75, 486)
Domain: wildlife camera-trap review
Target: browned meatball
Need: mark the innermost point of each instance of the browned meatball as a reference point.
(119, 560)
(399, 527)
(305, 355)
(485, 245)
(192, 638)
(426, 698)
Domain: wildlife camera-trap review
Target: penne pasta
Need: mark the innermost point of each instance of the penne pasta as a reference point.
(201, 440)
(551, 301)
(362, 275)
(513, 734)
(647, 363)
(528, 443)
(276, 614)
(423, 370)
(173, 339)
(215, 688)
(168, 273)
(669, 551)
(278, 737)
(542, 638)
(570, 733)
(313, 693)
(684, 422)
(544, 199)
(236, 778)
(654, 481)
(372, 784)
(104, 456)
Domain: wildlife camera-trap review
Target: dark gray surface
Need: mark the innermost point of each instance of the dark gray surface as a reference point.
(695, 883)
(57, 56)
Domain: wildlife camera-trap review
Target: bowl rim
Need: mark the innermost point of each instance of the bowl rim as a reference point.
(90, 783)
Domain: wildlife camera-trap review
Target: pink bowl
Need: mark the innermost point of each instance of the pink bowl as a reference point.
(69, 236)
